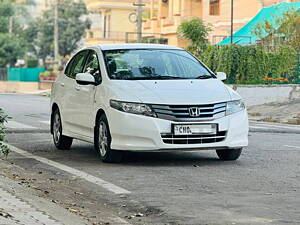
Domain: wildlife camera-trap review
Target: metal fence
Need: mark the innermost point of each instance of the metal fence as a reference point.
(151, 38)
(246, 39)
(3, 74)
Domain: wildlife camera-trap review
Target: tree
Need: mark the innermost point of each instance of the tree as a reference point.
(284, 31)
(196, 31)
(12, 41)
(11, 48)
(3, 148)
(6, 12)
(71, 29)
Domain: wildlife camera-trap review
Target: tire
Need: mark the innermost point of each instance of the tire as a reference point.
(229, 154)
(60, 141)
(102, 142)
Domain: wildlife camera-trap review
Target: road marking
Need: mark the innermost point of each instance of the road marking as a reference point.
(46, 122)
(292, 146)
(92, 179)
(16, 125)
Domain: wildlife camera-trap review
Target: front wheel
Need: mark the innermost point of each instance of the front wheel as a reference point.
(229, 154)
(60, 141)
(103, 141)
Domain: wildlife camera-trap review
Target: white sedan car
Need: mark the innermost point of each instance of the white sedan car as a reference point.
(141, 97)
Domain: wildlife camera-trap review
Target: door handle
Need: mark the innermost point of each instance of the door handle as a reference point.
(62, 84)
(77, 88)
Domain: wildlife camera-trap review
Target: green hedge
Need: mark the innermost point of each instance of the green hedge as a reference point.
(251, 64)
(32, 62)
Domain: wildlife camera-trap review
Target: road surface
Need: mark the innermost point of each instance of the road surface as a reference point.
(262, 187)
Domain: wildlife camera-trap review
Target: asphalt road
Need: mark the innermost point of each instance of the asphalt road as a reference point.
(263, 187)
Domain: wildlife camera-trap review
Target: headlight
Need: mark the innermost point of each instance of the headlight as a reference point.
(234, 106)
(135, 108)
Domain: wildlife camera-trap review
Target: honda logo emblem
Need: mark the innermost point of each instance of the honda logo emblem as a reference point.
(194, 112)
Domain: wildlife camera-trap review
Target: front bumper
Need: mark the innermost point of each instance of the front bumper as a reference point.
(141, 133)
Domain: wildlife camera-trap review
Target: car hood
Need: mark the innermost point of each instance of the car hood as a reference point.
(172, 91)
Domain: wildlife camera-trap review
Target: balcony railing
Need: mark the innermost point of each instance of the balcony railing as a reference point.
(169, 21)
(108, 35)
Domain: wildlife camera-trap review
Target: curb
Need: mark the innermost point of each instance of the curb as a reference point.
(274, 130)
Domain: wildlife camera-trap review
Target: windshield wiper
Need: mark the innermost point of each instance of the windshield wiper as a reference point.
(204, 76)
(159, 77)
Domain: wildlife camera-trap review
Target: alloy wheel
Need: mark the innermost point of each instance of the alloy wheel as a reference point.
(56, 128)
(103, 138)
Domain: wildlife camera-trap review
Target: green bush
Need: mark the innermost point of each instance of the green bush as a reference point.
(32, 62)
(3, 148)
(250, 64)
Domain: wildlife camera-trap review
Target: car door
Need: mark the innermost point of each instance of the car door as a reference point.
(85, 94)
(70, 103)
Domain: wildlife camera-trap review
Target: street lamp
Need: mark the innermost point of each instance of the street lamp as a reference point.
(231, 28)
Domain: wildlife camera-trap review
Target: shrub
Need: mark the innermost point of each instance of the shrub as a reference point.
(32, 62)
(250, 64)
(3, 148)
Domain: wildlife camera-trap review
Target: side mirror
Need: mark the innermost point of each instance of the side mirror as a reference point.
(221, 75)
(85, 79)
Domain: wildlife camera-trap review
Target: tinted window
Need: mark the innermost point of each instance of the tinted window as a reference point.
(153, 64)
(76, 64)
(69, 67)
(92, 66)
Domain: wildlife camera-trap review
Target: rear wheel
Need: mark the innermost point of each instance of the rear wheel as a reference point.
(229, 154)
(60, 141)
(103, 142)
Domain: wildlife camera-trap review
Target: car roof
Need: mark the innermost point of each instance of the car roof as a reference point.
(135, 46)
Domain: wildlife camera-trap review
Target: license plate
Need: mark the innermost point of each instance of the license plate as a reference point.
(183, 129)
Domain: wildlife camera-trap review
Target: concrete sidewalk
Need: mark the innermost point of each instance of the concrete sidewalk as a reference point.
(18, 206)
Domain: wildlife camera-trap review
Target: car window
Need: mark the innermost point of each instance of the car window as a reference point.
(135, 64)
(76, 64)
(69, 67)
(92, 66)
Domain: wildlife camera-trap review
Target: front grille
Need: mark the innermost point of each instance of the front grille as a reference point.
(181, 112)
(193, 139)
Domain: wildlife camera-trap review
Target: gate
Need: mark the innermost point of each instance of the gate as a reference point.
(3, 74)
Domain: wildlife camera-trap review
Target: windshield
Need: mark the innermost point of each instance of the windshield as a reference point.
(150, 64)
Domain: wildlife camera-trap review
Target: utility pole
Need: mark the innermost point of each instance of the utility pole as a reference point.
(139, 13)
(231, 28)
(56, 50)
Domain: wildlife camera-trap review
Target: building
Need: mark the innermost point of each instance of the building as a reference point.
(42, 5)
(167, 15)
(36, 7)
(110, 21)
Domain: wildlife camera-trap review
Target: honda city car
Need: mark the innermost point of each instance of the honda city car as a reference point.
(146, 97)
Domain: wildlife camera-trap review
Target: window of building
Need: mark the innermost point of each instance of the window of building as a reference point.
(214, 7)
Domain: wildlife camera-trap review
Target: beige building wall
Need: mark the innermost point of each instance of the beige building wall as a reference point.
(170, 14)
(110, 21)
(244, 11)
